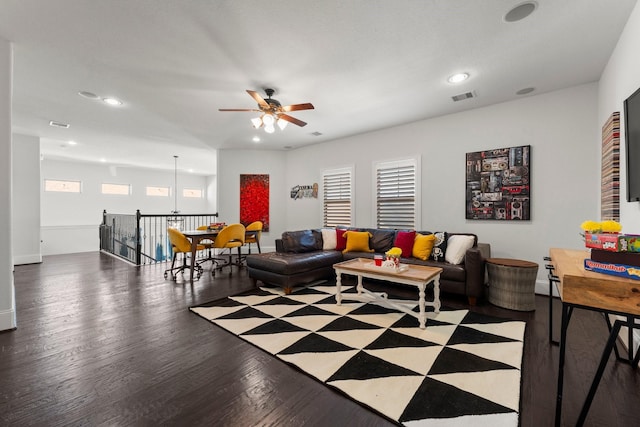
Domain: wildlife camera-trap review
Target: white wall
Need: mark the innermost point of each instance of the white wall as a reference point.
(233, 163)
(7, 295)
(26, 199)
(562, 129)
(70, 221)
(620, 79)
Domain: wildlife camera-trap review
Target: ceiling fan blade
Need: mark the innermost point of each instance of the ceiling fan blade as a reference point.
(238, 109)
(298, 107)
(292, 120)
(260, 100)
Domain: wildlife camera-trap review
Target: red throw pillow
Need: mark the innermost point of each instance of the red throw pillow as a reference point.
(341, 240)
(404, 240)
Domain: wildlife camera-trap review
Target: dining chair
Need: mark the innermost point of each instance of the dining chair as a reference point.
(180, 244)
(230, 237)
(254, 238)
(208, 246)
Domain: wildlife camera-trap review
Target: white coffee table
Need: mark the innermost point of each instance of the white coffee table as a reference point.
(415, 275)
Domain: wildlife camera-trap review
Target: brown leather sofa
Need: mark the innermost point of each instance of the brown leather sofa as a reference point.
(299, 259)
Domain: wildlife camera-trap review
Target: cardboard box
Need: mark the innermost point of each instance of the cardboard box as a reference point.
(626, 271)
(625, 258)
(613, 242)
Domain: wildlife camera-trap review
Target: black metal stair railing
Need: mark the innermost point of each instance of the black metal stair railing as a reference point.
(142, 238)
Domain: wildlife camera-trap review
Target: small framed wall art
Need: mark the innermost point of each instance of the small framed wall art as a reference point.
(498, 184)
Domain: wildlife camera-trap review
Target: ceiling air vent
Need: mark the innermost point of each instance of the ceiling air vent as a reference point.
(58, 125)
(316, 133)
(463, 96)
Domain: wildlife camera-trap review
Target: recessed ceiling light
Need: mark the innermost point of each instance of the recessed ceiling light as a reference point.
(112, 101)
(103, 160)
(525, 91)
(521, 11)
(87, 94)
(457, 78)
(58, 124)
(72, 143)
(256, 139)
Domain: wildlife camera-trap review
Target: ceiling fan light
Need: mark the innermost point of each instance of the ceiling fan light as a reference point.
(269, 128)
(282, 124)
(256, 122)
(268, 120)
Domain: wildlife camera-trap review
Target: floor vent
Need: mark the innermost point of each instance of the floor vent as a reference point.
(463, 96)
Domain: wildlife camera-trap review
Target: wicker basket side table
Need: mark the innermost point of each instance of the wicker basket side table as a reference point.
(512, 283)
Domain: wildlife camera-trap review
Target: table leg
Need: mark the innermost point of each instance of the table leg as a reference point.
(338, 288)
(422, 317)
(603, 363)
(194, 247)
(563, 341)
(360, 288)
(436, 294)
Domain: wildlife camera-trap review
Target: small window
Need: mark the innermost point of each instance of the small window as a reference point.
(62, 186)
(192, 192)
(119, 189)
(158, 191)
(397, 194)
(338, 198)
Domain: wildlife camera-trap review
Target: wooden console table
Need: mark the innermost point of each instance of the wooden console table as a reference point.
(604, 293)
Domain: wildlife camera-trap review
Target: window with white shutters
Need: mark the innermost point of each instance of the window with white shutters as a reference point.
(397, 194)
(336, 186)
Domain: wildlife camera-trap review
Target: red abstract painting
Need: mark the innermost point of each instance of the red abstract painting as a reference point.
(254, 199)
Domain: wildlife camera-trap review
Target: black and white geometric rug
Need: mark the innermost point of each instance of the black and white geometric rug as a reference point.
(463, 369)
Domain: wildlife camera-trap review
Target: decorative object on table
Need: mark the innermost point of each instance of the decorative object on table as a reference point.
(606, 235)
(498, 184)
(254, 199)
(611, 251)
(610, 170)
(305, 191)
(381, 358)
(393, 255)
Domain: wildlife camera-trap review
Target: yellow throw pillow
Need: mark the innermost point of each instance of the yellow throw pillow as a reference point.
(423, 245)
(357, 241)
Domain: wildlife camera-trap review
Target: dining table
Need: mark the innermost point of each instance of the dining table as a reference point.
(196, 236)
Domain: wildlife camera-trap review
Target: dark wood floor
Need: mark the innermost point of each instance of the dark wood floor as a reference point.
(102, 343)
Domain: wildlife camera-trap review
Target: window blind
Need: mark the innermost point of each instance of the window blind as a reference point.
(336, 185)
(396, 195)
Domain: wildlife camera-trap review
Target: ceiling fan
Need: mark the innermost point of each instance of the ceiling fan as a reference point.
(272, 112)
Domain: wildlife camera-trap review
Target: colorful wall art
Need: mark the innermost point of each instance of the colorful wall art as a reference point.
(254, 199)
(610, 176)
(498, 184)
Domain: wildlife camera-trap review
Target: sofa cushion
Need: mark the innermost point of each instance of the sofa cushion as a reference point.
(404, 240)
(381, 240)
(457, 247)
(292, 263)
(357, 241)
(341, 239)
(302, 241)
(423, 245)
(440, 246)
(329, 239)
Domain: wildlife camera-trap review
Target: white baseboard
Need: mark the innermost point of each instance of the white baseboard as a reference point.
(542, 288)
(7, 319)
(27, 259)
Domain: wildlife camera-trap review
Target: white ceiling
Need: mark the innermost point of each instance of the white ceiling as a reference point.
(364, 64)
